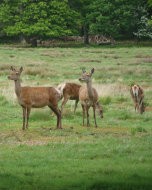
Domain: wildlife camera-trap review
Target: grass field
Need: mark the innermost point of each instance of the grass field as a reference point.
(115, 156)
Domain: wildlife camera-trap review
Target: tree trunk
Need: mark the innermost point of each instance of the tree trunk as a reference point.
(33, 42)
(86, 35)
(22, 40)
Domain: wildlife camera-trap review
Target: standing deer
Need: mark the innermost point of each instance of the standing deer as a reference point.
(137, 95)
(88, 97)
(69, 91)
(35, 97)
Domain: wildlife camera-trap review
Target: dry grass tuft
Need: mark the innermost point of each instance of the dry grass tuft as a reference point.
(147, 60)
(9, 92)
(143, 59)
(143, 56)
(53, 54)
(34, 71)
(111, 89)
(42, 72)
(148, 108)
(111, 56)
(4, 67)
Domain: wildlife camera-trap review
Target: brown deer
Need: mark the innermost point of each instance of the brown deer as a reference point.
(69, 91)
(35, 97)
(137, 95)
(88, 97)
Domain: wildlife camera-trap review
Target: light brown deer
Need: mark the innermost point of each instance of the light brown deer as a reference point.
(88, 97)
(69, 91)
(35, 97)
(137, 95)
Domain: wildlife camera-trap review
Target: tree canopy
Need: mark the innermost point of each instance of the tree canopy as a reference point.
(44, 19)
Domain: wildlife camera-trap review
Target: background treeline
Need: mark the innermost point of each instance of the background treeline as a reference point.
(34, 20)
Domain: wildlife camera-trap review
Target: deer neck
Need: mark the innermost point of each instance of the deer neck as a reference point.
(18, 87)
(90, 90)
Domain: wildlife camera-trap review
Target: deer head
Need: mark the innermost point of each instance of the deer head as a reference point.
(86, 77)
(15, 74)
(135, 90)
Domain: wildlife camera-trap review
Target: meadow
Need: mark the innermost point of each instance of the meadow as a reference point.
(116, 155)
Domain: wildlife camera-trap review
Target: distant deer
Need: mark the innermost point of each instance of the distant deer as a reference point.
(137, 95)
(88, 97)
(35, 97)
(69, 91)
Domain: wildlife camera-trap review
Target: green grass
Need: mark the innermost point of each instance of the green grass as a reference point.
(116, 155)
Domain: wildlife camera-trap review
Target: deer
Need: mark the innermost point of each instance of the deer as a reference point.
(137, 95)
(69, 91)
(35, 97)
(88, 97)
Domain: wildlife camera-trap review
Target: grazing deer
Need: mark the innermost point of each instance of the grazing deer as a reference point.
(35, 97)
(69, 91)
(137, 95)
(88, 97)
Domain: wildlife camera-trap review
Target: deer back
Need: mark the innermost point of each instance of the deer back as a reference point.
(72, 90)
(38, 96)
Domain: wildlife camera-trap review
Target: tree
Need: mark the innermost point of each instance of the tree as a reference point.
(144, 24)
(37, 19)
(117, 18)
(150, 15)
(82, 7)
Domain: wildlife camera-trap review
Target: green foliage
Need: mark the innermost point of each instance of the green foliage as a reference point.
(114, 18)
(50, 19)
(134, 131)
(39, 19)
(144, 26)
(150, 3)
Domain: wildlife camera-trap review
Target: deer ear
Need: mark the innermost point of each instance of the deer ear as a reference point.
(21, 69)
(12, 68)
(83, 70)
(92, 70)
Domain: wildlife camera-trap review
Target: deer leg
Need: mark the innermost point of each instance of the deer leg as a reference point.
(87, 110)
(76, 103)
(141, 106)
(58, 114)
(83, 112)
(27, 116)
(94, 114)
(63, 103)
(24, 114)
(136, 107)
(100, 111)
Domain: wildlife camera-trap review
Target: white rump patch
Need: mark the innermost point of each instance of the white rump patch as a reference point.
(60, 88)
